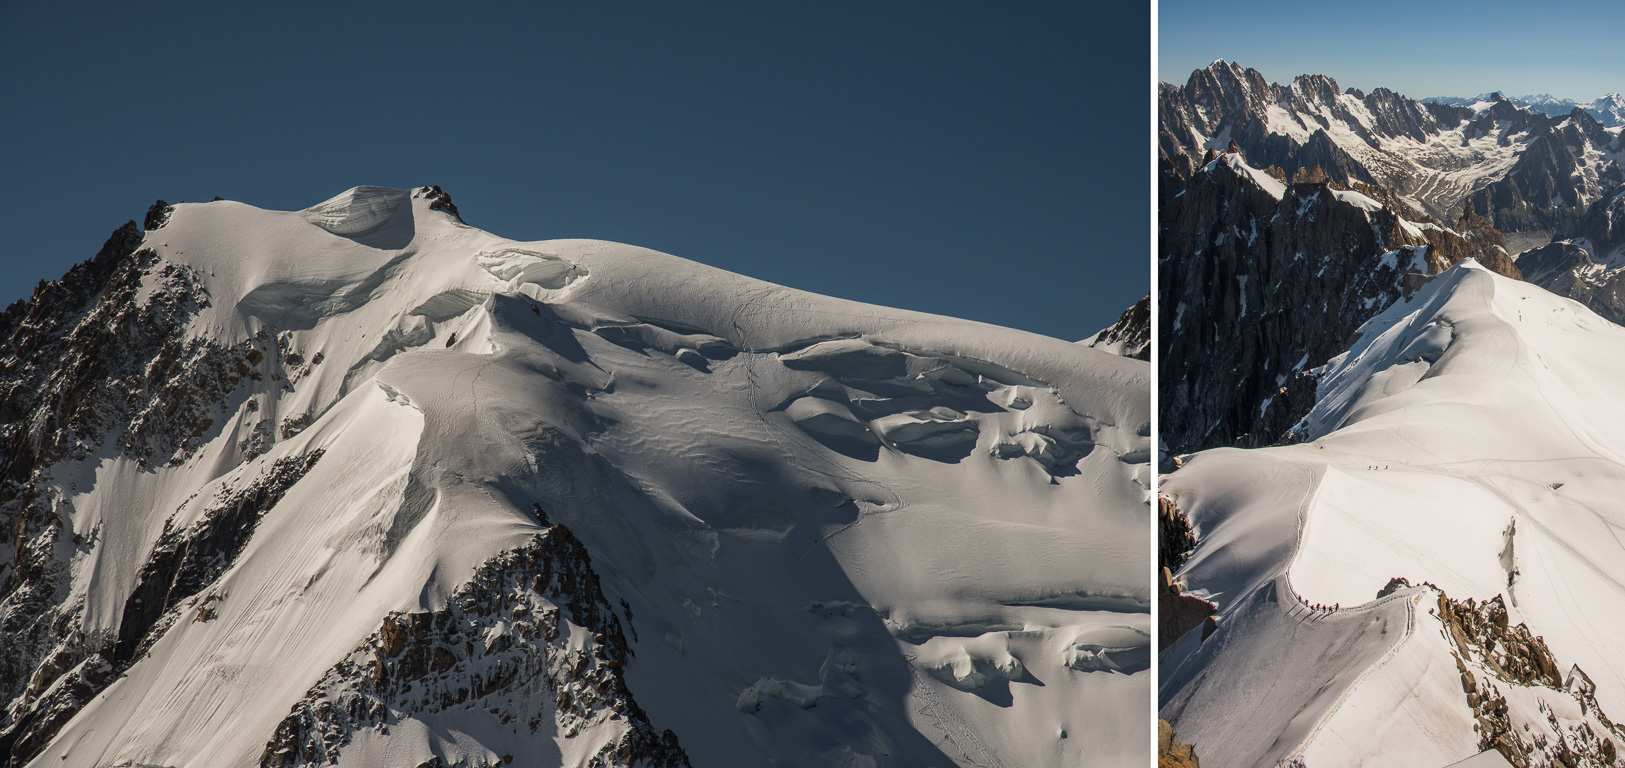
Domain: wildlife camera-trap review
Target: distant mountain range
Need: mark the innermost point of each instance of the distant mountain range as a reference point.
(1524, 169)
(1608, 110)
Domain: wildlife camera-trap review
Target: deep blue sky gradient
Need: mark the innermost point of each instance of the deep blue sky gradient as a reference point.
(969, 159)
(1568, 48)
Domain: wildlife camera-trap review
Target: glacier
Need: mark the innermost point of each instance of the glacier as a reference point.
(365, 484)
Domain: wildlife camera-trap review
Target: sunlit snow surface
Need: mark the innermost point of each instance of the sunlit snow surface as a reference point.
(1480, 410)
(845, 533)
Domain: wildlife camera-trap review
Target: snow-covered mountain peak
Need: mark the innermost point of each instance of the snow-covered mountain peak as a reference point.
(364, 482)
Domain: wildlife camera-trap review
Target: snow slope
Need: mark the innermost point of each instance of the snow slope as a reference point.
(833, 534)
(1467, 440)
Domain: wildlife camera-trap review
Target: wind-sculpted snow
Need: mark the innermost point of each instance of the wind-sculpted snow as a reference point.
(1435, 571)
(520, 266)
(825, 533)
(357, 211)
(931, 406)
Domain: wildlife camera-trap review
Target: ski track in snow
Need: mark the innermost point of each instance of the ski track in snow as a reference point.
(1405, 595)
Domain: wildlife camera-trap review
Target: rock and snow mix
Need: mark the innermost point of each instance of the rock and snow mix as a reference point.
(364, 483)
(1259, 277)
(1436, 568)
(1525, 169)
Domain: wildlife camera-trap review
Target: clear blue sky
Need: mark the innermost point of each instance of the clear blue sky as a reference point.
(1566, 48)
(970, 159)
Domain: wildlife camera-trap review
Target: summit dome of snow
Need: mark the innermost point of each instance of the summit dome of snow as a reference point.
(363, 483)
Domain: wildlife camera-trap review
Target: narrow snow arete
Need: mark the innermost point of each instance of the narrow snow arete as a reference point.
(1436, 569)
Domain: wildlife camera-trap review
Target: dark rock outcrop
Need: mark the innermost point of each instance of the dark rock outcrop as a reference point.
(505, 631)
(186, 561)
(1131, 333)
(1586, 267)
(1178, 613)
(1257, 291)
(1175, 539)
(157, 215)
(1491, 655)
(183, 564)
(439, 200)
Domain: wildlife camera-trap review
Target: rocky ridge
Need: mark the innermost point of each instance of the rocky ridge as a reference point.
(533, 618)
(1494, 657)
(101, 363)
(1262, 280)
(185, 562)
(1586, 267)
(1525, 170)
(1608, 110)
(1130, 336)
(1177, 612)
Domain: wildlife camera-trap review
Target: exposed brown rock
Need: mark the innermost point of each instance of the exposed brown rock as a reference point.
(1481, 633)
(1178, 613)
(1172, 753)
(391, 637)
(1175, 538)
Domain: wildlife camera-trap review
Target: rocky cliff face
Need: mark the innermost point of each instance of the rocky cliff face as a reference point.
(1566, 164)
(1586, 267)
(1523, 169)
(89, 360)
(1263, 280)
(186, 561)
(531, 621)
(1225, 103)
